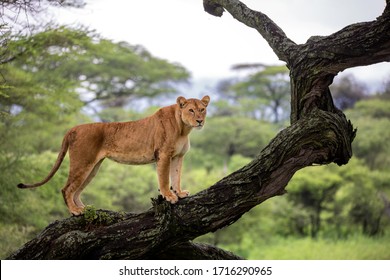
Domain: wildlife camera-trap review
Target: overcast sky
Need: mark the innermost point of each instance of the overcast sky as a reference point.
(180, 31)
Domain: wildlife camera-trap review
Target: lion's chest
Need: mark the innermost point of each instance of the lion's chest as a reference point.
(182, 146)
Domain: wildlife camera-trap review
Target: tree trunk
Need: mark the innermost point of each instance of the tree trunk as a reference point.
(319, 134)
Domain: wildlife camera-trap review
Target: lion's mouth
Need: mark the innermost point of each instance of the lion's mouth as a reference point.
(199, 126)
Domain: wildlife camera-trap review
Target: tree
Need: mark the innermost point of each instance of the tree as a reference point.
(319, 134)
(263, 94)
(12, 11)
(361, 197)
(312, 189)
(270, 86)
(229, 136)
(100, 69)
(372, 116)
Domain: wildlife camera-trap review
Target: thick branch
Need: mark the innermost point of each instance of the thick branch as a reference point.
(314, 64)
(358, 44)
(322, 138)
(270, 31)
(355, 45)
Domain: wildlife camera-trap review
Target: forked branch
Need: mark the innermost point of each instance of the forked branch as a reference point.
(314, 65)
(355, 45)
(271, 32)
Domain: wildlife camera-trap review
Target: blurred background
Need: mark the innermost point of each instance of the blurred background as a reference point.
(64, 63)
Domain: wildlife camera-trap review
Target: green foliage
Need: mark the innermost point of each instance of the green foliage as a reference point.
(98, 68)
(227, 136)
(312, 188)
(94, 218)
(122, 188)
(264, 94)
(372, 119)
(90, 214)
(114, 72)
(361, 197)
(13, 236)
(119, 114)
(37, 99)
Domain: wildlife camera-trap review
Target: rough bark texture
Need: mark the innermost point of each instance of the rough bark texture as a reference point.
(319, 134)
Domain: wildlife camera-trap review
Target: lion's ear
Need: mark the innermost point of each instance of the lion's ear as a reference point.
(205, 100)
(181, 101)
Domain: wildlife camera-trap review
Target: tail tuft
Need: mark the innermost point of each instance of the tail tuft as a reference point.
(22, 186)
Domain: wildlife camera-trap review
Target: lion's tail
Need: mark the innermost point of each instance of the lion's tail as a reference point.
(60, 158)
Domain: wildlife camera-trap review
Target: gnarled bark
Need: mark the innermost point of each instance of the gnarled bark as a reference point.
(319, 134)
(313, 65)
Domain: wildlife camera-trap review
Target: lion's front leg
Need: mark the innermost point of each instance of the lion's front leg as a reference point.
(176, 164)
(163, 168)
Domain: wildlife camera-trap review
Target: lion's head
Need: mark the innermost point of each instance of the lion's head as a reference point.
(193, 111)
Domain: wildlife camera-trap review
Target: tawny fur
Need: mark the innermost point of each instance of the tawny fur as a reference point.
(161, 138)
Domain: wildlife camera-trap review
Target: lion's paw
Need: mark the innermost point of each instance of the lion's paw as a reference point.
(183, 194)
(172, 198)
(77, 211)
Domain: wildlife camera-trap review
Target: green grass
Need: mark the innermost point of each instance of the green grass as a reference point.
(354, 248)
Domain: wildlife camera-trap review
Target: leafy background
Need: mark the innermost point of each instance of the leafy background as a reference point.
(58, 77)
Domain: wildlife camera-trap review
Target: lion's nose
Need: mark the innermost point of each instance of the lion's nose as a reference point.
(199, 122)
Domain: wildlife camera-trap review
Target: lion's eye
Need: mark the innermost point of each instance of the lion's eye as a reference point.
(191, 111)
(202, 110)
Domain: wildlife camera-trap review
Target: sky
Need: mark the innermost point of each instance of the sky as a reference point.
(181, 32)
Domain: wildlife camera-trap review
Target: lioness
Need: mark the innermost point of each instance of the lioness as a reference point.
(161, 138)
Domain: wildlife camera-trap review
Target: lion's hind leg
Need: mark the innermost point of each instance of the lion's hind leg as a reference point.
(79, 177)
(76, 197)
(68, 194)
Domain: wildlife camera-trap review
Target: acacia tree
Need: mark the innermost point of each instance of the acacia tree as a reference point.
(319, 134)
(15, 16)
(271, 86)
